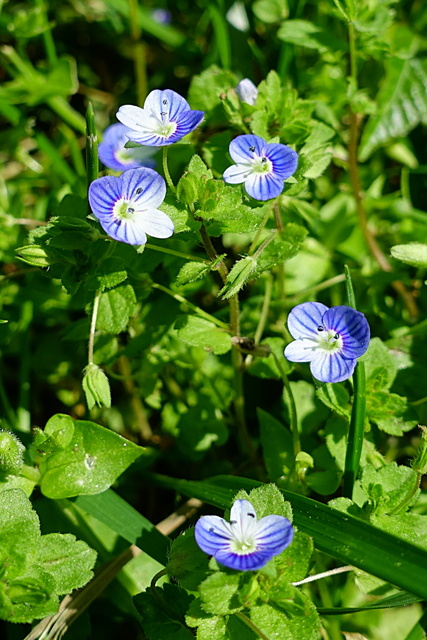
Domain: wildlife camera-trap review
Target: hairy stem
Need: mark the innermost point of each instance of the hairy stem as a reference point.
(166, 170)
(93, 326)
(292, 406)
(251, 625)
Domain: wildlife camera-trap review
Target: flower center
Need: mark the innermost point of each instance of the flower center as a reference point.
(123, 210)
(329, 340)
(163, 127)
(123, 156)
(261, 164)
(242, 547)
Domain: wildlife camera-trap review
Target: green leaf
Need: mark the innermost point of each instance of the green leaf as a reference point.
(89, 463)
(294, 562)
(414, 253)
(389, 486)
(192, 271)
(239, 275)
(164, 622)
(277, 445)
(402, 104)
(344, 537)
(198, 332)
(390, 412)
(19, 531)
(316, 154)
(110, 273)
(305, 34)
(295, 618)
(285, 246)
(270, 11)
(267, 500)
(116, 306)
(219, 593)
(207, 88)
(187, 562)
(335, 397)
(67, 560)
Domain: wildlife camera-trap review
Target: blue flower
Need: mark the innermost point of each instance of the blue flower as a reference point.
(127, 206)
(331, 340)
(114, 155)
(161, 16)
(261, 166)
(244, 543)
(247, 91)
(165, 119)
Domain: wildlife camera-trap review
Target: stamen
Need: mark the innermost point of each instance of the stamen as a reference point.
(252, 149)
(139, 190)
(336, 336)
(320, 328)
(264, 159)
(252, 515)
(233, 521)
(164, 101)
(130, 210)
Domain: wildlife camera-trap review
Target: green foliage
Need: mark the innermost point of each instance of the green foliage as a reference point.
(414, 254)
(198, 332)
(96, 387)
(77, 457)
(36, 569)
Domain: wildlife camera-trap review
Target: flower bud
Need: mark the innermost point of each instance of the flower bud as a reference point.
(419, 463)
(96, 387)
(11, 453)
(35, 255)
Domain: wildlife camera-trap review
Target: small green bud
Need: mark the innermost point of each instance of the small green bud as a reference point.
(96, 387)
(303, 462)
(419, 463)
(35, 255)
(414, 253)
(11, 453)
(187, 189)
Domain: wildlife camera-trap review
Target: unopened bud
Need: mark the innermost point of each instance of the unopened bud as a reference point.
(11, 453)
(187, 189)
(96, 387)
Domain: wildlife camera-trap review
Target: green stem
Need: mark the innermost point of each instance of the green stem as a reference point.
(138, 53)
(263, 316)
(190, 305)
(66, 112)
(259, 231)
(48, 40)
(23, 416)
(265, 244)
(92, 167)
(251, 625)
(293, 416)
(358, 412)
(409, 497)
(166, 170)
(159, 574)
(178, 254)
(93, 326)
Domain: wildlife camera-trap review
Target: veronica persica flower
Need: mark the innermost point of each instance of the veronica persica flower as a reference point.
(244, 543)
(114, 155)
(331, 340)
(165, 119)
(261, 166)
(247, 91)
(126, 206)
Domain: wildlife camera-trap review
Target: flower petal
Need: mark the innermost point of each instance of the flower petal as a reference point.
(237, 173)
(352, 327)
(304, 319)
(124, 230)
(243, 562)
(283, 158)
(154, 223)
(114, 155)
(331, 367)
(301, 350)
(133, 117)
(264, 186)
(145, 187)
(240, 148)
(187, 122)
(103, 195)
(212, 534)
(168, 102)
(243, 519)
(274, 533)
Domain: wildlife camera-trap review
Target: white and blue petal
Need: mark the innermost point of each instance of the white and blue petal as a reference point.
(155, 223)
(166, 103)
(134, 118)
(331, 367)
(274, 533)
(264, 186)
(305, 318)
(237, 173)
(103, 195)
(144, 187)
(243, 521)
(124, 231)
(186, 123)
(283, 158)
(114, 155)
(301, 350)
(353, 328)
(213, 534)
(245, 148)
(247, 562)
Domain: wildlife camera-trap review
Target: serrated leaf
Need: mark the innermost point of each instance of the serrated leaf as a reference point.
(285, 246)
(164, 622)
(192, 271)
(335, 397)
(219, 593)
(241, 272)
(116, 306)
(402, 105)
(277, 445)
(199, 332)
(316, 154)
(307, 34)
(110, 273)
(206, 88)
(296, 618)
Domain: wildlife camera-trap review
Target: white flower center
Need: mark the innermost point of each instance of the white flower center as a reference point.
(162, 126)
(329, 340)
(123, 156)
(242, 547)
(261, 164)
(124, 210)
